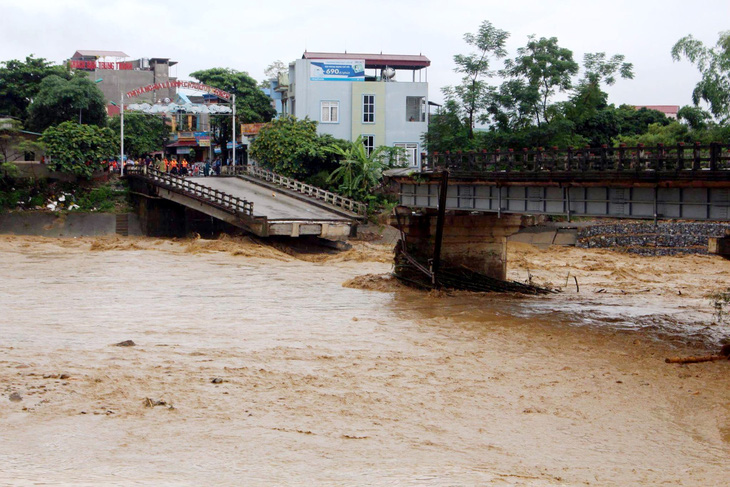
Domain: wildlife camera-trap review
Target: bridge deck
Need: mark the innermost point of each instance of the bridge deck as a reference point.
(263, 211)
(271, 203)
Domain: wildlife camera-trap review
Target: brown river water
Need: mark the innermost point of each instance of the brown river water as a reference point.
(326, 377)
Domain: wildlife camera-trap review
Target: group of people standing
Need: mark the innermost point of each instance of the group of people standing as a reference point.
(173, 165)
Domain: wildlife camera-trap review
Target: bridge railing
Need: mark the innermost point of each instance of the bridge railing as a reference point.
(229, 203)
(642, 159)
(306, 189)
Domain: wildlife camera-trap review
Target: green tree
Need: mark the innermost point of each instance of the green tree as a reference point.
(446, 130)
(695, 117)
(292, 147)
(601, 126)
(143, 133)
(598, 70)
(511, 106)
(60, 100)
(471, 93)
(252, 105)
(668, 135)
(546, 69)
(78, 149)
(20, 82)
(714, 66)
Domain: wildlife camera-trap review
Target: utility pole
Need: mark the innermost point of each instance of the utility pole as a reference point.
(233, 123)
(121, 135)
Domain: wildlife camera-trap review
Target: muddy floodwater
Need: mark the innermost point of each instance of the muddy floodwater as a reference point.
(257, 366)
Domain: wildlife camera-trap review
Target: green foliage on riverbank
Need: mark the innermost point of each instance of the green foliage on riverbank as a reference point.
(79, 149)
(293, 148)
(37, 194)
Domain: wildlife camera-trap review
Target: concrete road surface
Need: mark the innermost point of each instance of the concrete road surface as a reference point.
(270, 203)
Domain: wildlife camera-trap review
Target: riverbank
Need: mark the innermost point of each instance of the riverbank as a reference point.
(256, 366)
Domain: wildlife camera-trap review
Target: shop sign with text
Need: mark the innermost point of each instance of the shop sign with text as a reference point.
(92, 65)
(337, 70)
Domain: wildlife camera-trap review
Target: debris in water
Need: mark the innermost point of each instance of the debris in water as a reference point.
(150, 403)
(125, 343)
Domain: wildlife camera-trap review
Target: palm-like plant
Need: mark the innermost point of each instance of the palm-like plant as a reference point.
(359, 172)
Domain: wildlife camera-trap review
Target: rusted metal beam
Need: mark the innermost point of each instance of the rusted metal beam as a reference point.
(440, 219)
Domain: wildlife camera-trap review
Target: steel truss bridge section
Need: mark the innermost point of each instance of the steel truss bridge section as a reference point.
(691, 203)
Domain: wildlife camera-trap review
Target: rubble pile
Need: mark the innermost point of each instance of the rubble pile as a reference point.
(646, 238)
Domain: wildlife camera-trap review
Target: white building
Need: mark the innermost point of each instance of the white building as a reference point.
(381, 97)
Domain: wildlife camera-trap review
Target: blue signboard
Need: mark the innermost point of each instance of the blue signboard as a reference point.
(337, 70)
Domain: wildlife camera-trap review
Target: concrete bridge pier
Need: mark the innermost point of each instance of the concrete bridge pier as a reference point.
(477, 241)
(164, 218)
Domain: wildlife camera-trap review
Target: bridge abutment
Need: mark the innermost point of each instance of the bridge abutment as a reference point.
(475, 241)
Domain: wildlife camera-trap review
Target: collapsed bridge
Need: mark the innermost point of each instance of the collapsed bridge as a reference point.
(255, 200)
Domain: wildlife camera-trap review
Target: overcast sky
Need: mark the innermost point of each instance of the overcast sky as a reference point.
(248, 36)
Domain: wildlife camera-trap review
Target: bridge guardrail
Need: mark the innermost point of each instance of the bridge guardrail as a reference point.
(306, 189)
(224, 201)
(639, 159)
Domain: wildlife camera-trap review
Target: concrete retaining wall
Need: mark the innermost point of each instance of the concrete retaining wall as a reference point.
(47, 224)
(667, 238)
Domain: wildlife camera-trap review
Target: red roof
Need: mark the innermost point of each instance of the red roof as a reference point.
(673, 109)
(184, 143)
(376, 61)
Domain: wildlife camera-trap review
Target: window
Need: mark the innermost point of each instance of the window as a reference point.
(369, 142)
(410, 156)
(368, 109)
(330, 112)
(415, 109)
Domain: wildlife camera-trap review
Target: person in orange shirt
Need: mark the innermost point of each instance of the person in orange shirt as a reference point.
(165, 165)
(184, 168)
(173, 167)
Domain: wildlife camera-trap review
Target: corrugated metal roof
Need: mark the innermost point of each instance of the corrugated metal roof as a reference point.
(376, 61)
(92, 52)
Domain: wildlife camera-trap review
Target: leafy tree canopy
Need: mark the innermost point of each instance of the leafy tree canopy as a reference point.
(695, 117)
(293, 148)
(546, 69)
(20, 82)
(488, 43)
(669, 134)
(588, 96)
(78, 149)
(446, 130)
(143, 133)
(520, 112)
(60, 100)
(713, 64)
(252, 105)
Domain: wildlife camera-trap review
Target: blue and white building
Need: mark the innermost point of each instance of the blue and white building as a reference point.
(381, 97)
